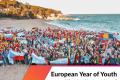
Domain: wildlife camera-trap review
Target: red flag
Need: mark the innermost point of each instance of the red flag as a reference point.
(76, 59)
(68, 61)
(100, 60)
(55, 45)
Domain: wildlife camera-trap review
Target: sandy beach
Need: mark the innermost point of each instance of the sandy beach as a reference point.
(12, 72)
(26, 24)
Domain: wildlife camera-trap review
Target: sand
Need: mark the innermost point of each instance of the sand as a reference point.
(13, 72)
(27, 24)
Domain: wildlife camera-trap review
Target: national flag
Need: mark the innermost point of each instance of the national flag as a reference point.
(8, 36)
(38, 59)
(105, 36)
(18, 58)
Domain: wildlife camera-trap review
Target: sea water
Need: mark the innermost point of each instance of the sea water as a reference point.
(91, 22)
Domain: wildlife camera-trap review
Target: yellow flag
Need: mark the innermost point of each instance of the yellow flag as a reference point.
(105, 35)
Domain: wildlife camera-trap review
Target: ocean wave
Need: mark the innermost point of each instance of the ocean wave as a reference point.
(76, 19)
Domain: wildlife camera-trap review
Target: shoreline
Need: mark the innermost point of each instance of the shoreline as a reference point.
(40, 23)
(26, 24)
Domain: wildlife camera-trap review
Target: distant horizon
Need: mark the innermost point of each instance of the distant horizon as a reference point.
(79, 6)
(95, 14)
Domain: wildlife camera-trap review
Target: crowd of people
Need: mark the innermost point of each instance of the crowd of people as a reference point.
(77, 47)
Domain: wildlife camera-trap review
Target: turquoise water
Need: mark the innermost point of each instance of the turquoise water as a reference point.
(92, 22)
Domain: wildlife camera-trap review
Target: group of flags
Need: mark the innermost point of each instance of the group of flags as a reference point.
(106, 36)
